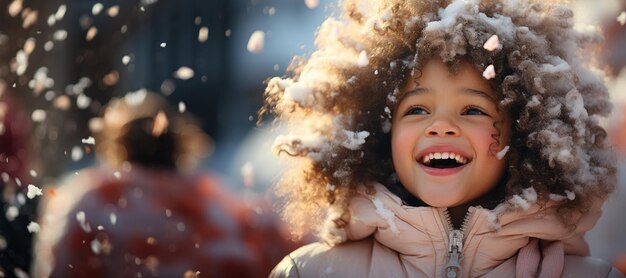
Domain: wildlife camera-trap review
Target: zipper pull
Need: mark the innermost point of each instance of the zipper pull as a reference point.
(453, 269)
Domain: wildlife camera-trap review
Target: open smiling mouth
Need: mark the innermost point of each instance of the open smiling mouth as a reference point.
(443, 160)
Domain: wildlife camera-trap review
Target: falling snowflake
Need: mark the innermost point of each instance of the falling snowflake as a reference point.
(113, 11)
(354, 140)
(363, 60)
(256, 42)
(492, 43)
(29, 45)
(203, 34)
(97, 8)
(80, 216)
(38, 116)
(51, 20)
(126, 59)
(168, 87)
(111, 78)
(180, 226)
(41, 81)
(96, 124)
(82, 220)
(30, 18)
(570, 195)
(191, 274)
(113, 218)
(5, 177)
(622, 18)
(489, 72)
(60, 12)
(15, 7)
(184, 73)
(90, 141)
(59, 35)
(77, 153)
(160, 124)
(136, 98)
(96, 246)
(33, 227)
(83, 101)
(12, 213)
(520, 202)
(33, 191)
(91, 33)
(311, 4)
(22, 62)
(502, 153)
(247, 172)
(20, 273)
(148, 2)
(386, 214)
(557, 197)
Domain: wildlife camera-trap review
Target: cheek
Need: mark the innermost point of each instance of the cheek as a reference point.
(485, 138)
(402, 141)
(402, 144)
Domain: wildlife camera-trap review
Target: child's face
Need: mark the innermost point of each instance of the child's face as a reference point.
(441, 114)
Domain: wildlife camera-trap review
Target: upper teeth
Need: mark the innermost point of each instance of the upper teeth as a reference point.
(447, 155)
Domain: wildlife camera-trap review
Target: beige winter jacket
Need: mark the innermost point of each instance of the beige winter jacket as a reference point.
(388, 239)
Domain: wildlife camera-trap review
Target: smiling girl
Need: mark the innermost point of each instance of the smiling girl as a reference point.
(442, 137)
(445, 139)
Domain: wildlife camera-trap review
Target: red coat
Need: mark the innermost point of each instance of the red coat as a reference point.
(15, 163)
(156, 224)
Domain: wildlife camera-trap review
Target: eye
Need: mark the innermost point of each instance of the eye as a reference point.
(473, 111)
(416, 110)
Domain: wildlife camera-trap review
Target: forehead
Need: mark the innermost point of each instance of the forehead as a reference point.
(435, 76)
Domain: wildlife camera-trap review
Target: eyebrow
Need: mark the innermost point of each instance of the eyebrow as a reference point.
(416, 91)
(480, 94)
(419, 91)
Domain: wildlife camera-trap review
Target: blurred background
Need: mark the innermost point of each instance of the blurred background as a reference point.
(61, 61)
(193, 52)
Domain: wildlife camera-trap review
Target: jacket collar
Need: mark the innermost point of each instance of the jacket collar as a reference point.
(420, 234)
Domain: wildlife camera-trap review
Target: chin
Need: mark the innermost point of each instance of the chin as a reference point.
(444, 201)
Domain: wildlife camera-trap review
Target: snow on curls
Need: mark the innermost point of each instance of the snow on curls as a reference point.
(338, 102)
(354, 140)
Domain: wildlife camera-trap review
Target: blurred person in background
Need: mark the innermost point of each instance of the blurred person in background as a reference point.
(144, 211)
(607, 239)
(612, 224)
(17, 210)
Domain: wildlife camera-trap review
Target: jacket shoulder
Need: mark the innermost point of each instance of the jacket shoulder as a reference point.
(285, 268)
(578, 266)
(318, 259)
(349, 259)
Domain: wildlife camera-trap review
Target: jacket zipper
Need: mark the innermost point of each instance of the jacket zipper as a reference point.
(453, 268)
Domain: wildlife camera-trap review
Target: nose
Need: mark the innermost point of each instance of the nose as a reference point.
(442, 126)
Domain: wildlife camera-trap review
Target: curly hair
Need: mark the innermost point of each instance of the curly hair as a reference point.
(338, 103)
